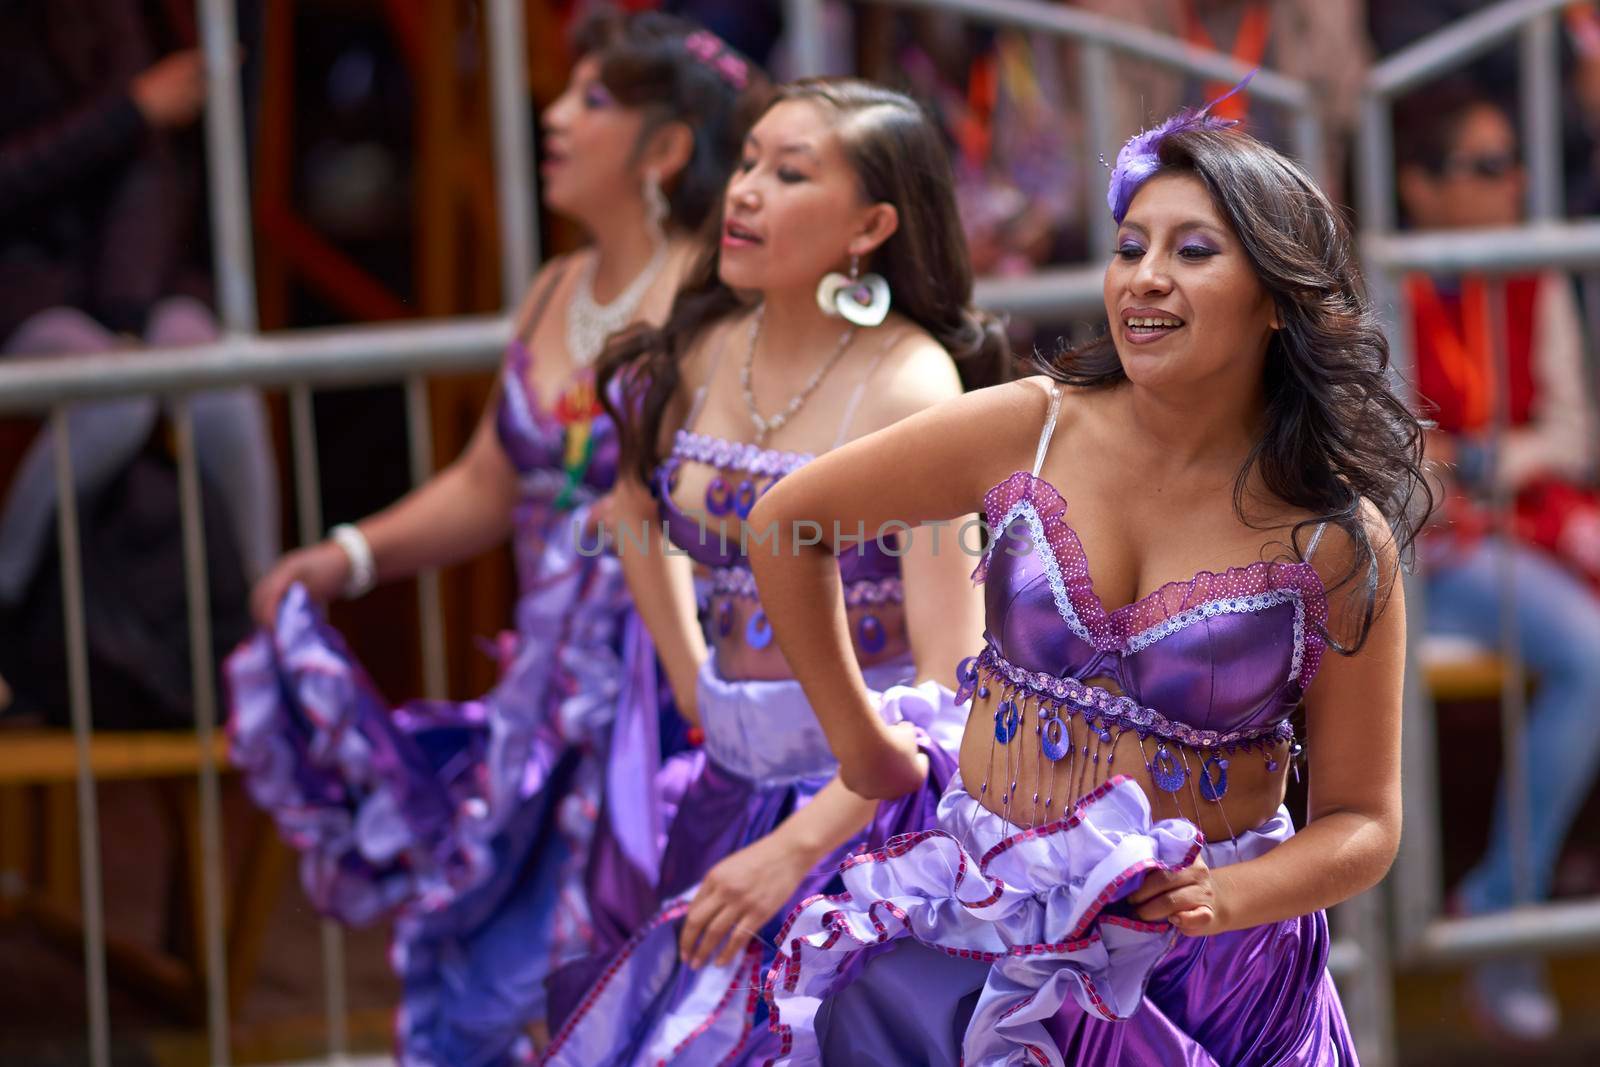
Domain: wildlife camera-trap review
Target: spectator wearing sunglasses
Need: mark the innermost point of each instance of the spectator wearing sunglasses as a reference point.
(1515, 417)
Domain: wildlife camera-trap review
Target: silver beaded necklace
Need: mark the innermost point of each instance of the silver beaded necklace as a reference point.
(766, 425)
(589, 324)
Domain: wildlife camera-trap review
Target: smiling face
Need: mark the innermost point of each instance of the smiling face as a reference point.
(590, 144)
(794, 208)
(1184, 302)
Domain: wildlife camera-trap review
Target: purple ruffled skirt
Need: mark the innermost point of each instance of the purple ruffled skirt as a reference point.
(469, 824)
(979, 944)
(764, 757)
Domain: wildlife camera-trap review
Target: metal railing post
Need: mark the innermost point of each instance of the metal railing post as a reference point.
(803, 21)
(89, 873)
(234, 275)
(1541, 115)
(1513, 676)
(203, 680)
(1094, 74)
(430, 607)
(232, 258)
(513, 153)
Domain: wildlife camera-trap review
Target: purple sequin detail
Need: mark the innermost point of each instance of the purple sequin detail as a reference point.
(711, 50)
(737, 455)
(757, 631)
(1139, 158)
(871, 634)
(1166, 772)
(718, 497)
(868, 592)
(1107, 708)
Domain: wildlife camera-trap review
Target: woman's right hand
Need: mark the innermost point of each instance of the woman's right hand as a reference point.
(890, 768)
(322, 568)
(171, 92)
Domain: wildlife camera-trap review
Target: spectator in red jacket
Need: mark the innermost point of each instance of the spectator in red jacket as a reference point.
(1459, 167)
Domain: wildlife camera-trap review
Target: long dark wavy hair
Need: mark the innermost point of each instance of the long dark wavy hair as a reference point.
(1334, 430)
(645, 63)
(899, 158)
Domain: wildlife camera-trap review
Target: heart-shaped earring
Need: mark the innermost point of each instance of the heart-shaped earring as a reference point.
(860, 299)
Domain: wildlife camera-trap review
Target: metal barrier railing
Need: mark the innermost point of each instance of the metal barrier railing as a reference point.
(1423, 936)
(242, 357)
(303, 360)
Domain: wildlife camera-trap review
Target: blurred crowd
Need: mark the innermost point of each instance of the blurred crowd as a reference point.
(103, 249)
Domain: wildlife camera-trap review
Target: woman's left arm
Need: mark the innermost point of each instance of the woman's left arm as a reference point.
(944, 622)
(1353, 741)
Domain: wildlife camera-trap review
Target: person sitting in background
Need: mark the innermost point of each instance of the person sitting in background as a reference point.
(94, 228)
(1458, 167)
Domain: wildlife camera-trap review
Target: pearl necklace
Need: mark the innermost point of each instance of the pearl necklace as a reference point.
(766, 425)
(589, 324)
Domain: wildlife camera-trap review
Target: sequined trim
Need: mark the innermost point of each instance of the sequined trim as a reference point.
(737, 455)
(740, 582)
(1099, 705)
(873, 591)
(1240, 605)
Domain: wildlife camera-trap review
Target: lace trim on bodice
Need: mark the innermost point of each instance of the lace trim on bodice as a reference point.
(1169, 609)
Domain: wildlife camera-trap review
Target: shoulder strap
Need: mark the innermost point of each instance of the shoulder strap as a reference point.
(1049, 427)
(1316, 539)
(861, 386)
(541, 299)
(702, 391)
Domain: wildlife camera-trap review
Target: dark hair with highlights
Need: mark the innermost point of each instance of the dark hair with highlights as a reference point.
(1334, 430)
(896, 151)
(644, 63)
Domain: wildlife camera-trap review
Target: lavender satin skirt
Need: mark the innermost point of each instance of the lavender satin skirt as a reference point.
(764, 757)
(470, 824)
(979, 944)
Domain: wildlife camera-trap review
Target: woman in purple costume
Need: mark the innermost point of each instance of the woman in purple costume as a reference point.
(1112, 878)
(472, 824)
(758, 371)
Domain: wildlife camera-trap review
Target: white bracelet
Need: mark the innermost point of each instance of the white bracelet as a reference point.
(363, 569)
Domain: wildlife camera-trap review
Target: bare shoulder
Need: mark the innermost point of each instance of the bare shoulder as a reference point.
(975, 439)
(909, 372)
(1338, 549)
(682, 261)
(552, 275)
(1353, 572)
(710, 354)
(912, 372)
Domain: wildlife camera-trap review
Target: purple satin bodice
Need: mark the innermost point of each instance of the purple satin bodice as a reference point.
(536, 441)
(538, 444)
(736, 624)
(864, 561)
(1220, 653)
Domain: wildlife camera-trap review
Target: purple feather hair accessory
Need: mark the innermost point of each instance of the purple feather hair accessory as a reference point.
(711, 50)
(1139, 158)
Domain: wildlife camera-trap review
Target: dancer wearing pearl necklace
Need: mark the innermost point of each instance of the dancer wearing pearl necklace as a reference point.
(837, 303)
(471, 824)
